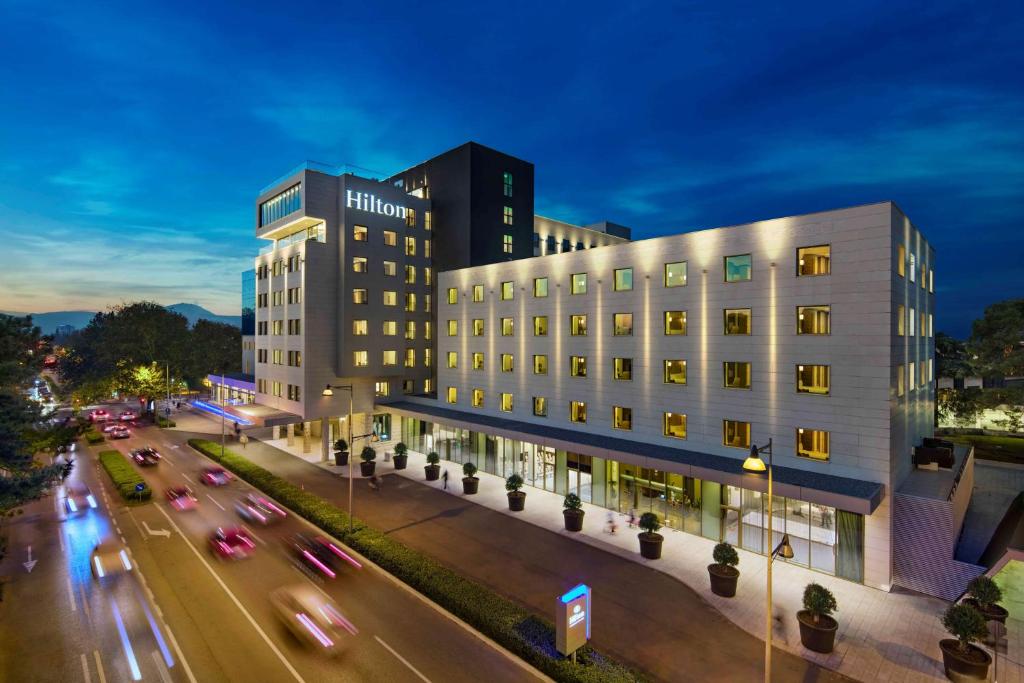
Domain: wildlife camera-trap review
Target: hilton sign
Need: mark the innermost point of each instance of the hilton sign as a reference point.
(364, 201)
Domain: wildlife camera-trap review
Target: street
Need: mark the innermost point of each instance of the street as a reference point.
(183, 615)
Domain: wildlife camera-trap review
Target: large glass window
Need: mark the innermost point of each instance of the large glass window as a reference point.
(540, 287)
(540, 406)
(453, 328)
(478, 293)
(390, 328)
(478, 398)
(506, 244)
(901, 260)
(675, 322)
(675, 274)
(736, 374)
(674, 425)
(579, 283)
(360, 233)
(453, 295)
(813, 319)
(812, 443)
(506, 215)
(390, 298)
(389, 358)
(675, 372)
(508, 327)
(508, 290)
(622, 324)
(506, 182)
(390, 238)
(736, 433)
(578, 325)
(738, 268)
(478, 327)
(506, 402)
(737, 321)
(622, 368)
(901, 320)
(358, 264)
(578, 411)
(623, 279)
(453, 395)
(360, 327)
(281, 204)
(814, 260)
(359, 296)
(578, 366)
(812, 379)
(540, 365)
(390, 268)
(360, 359)
(478, 360)
(453, 359)
(507, 362)
(540, 326)
(622, 418)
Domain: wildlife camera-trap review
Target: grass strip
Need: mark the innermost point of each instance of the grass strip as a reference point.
(524, 634)
(124, 476)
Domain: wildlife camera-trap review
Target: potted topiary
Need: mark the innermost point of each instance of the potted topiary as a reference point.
(960, 659)
(817, 627)
(367, 467)
(341, 452)
(985, 593)
(573, 513)
(723, 572)
(432, 469)
(470, 483)
(516, 498)
(650, 539)
(401, 456)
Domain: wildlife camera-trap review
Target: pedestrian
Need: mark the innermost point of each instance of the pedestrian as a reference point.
(244, 439)
(632, 518)
(444, 478)
(611, 522)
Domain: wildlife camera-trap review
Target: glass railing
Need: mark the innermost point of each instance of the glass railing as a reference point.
(327, 169)
(314, 233)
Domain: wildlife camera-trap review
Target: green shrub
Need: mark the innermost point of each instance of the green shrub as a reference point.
(341, 445)
(819, 601)
(433, 458)
(725, 554)
(92, 437)
(368, 454)
(985, 591)
(572, 502)
(124, 476)
(401, 448)
(469, 470)
(965, 623)
(649, 522)
(524, 634)
(514, 482)
(164, 423)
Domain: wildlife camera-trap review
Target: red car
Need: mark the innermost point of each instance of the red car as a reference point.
(128, 416)
(181, 498)
(215, 476)
(98, 415)
(120, 432)
(232, 543)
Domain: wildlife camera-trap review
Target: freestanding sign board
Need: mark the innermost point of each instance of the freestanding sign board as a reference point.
(572, 621)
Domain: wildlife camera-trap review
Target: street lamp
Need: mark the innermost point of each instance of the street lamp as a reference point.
(755, 464)
(328, 392)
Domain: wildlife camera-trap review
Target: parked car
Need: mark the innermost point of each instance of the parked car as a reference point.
(181, 498)
(232, 543)
(146, 457)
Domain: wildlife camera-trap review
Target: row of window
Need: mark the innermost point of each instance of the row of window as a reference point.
(361, 297)
(361, 328)
(294, 391)
(361, 359)
(906, 319)
(279, 267)
(360, 233)
(277, 327)
(554, 246)
(278, 297)
(360, 264)
(281, 204)
(813, 320)
(907, 265)
(914, 375)
(278, 356)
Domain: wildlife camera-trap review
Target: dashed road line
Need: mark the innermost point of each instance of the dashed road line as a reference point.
(214, 501)
(402, 659)
(161, 668)
(253, 535)
(85, 669)
(187, 478)
(85, 604)
(71, 595)
(99, 666)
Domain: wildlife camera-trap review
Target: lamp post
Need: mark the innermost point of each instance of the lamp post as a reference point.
(754, 463)
(329, 391)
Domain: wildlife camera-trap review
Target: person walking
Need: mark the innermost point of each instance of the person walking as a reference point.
(444, 479)
(632, 518)
(611, 522)
(244, 438)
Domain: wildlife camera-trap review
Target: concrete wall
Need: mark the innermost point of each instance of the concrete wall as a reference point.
(576, 235)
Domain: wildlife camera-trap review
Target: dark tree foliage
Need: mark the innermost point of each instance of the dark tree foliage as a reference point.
(952, 357)
(997, 339)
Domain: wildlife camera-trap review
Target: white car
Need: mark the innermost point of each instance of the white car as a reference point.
(78, 498)
(109, 559)
(314, 619)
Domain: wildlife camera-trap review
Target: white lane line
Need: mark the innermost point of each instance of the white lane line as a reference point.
(254, 536)
(402, 659)
(85, 604)
(131, 515)
(71, 595)
(214, 501)
(187, 478)
(161, 668)
(99, 666)
(235, 600)
(85, 669)
(169, 461)
(60, 537)
(181, 657)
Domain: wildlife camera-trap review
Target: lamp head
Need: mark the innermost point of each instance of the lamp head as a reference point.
(754, 463)
(328, 391)
(785, 549)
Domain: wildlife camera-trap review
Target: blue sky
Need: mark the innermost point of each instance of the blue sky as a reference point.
(134, 136)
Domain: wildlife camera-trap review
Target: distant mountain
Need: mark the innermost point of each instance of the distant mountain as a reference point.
(48, 322)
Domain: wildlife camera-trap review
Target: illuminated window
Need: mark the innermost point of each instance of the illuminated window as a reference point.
(578, 366)
(901, 260)
(911, 377)
(622, 324)
(931, 281)
(508, 327)
(736, 375)
(358, 264)
(478, 398)
(812, 443)
(390, 238)
(453, 295)
(922, 327)
(410, 275)
(410, 246)
(540, 326)
(507, 362)
(737, 268)
(911, 317)
(674, 372)
(812, 379)
(813, 319)
(931, 370)
(478, 327)
(426, 248)
(506, 244)
(506, 182)
(410, 218)
(410, 329)
(675, 274)
(360, 327)
(578, 325)
(578, 411)
(453, 328)
(478, 293)
(814, 260)
(900, 387)
(674, 425)
(675, 322)
(360, 233)
(453, 359)
(623, 279)
(478, 360)
(390, 328)
(410, 358)
(506, 215)
(540, 406)
(737, 321)
(359, 296)
(428, 358)
(278, 355)
(281, 204)
(622, 368)
(506, 403)
(736, 433)
(389, 358)
(508, 290)
(428, 275)
(901, 320)
(453, 395)
(427, 221)
(426, 304)
(931, 328)
(579, 283)
(360, 359)
(540, 287)
(428, 327)
(540, 365)
(390, 298)
(390, 268)
(277, 327)
(913, 267)
(921, 380)
(622, 418)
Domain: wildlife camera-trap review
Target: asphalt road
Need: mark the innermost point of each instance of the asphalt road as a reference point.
(187, 616)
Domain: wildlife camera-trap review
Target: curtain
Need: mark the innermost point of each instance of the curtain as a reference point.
(850, 555)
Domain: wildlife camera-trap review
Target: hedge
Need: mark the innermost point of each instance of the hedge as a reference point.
(124, 476)
(93, 437)
(524, 634)
(164, 422)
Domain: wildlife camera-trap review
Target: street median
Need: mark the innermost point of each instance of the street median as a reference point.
(124, 476)
(524, 634)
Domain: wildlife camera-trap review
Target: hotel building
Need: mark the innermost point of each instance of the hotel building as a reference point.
(636, 374)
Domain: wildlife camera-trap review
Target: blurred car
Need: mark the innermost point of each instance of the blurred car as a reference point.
(181, 498)
(319, 554)
(146, 457)
(120, 432)
(215, 476)
(109, 559)
(78, 498)
(313, 618)
(129, 415)
(98, 415)
(110, 427)
(233, 543)
(257, 508)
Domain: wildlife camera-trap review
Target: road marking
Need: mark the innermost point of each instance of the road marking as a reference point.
(136, 523)
(215, 502)
(161, 668)
(31, 564)
(181, 657)
(235, 600)
(402, 659)
(156, 532)
(85, 669)
(60, 537)
(71, 595)
(254, 536)
(126, 643)
(85, 604)
(187, 478)
(169, 462)
(99, 666)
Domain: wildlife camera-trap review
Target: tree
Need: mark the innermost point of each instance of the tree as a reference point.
(20, 342)
(960, 406)
(997, 339)
(214, 348)
(952, 357)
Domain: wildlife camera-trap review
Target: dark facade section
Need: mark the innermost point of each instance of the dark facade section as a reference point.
(248, 302)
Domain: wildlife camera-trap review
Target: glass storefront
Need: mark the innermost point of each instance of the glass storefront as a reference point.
(822, 537)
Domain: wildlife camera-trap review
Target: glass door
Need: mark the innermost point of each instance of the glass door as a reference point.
(544, 468)
(731, 529)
